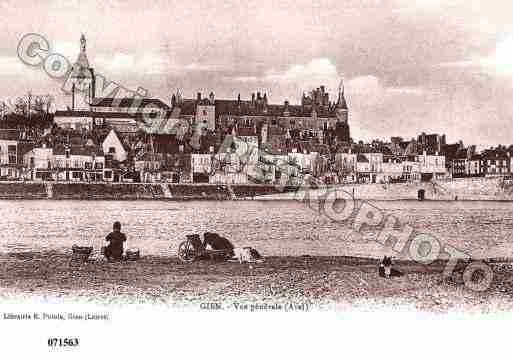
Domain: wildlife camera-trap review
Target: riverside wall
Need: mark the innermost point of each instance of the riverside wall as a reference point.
(131, 191)
(492, 189)
(465, 189)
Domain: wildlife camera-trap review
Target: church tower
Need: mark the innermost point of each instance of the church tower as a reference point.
(341, 107)
(342, 126)
(82, 79)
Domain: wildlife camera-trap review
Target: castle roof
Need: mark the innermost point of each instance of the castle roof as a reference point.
(256, 108)
(128, 102)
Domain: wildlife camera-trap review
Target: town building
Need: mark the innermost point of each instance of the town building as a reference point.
(201, 167)
(38, 162)
(430, 143)
(113, 147)
(13, 146)
(496, 162)
(79, 163)
(369, 167)
(345, 166)
(431, 167)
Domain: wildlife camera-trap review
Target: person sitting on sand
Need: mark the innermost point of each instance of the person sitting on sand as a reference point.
(115, 238)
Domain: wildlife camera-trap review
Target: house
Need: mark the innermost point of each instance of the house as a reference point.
(12, 149)
(345, 165)
(272, 165)
(163, 167)
(474, 166)
(38, 162)
(392, 170)
(177, 167)
(80, 163)
(113, 146)
(201, 167)
(77, 120)
(496, 162)
(456, 151)
(305, 161)
(431, 166)
(205, 115)
(369, 166)
(229, 164)
(411, 169)
(400, 147)
(459, 167)
(148, 166)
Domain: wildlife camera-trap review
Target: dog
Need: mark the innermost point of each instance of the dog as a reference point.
(386, 270)
(247, 254)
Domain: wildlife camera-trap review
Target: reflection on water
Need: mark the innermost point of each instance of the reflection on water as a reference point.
(273, 227)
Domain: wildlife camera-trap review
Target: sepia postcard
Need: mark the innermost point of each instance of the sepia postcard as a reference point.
(256, 179)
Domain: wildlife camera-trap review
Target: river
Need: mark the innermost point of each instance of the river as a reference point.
(273, 227)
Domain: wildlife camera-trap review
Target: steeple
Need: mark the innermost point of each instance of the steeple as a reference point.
(82, 60)
(82, 43)
(341, 103)
(82, 79)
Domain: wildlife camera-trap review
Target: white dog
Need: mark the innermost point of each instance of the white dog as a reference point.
(247, 254)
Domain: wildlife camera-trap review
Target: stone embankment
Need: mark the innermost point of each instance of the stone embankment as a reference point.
(467, 189)
(131, 191)
(487, 189)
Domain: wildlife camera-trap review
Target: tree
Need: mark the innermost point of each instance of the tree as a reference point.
(42, 104)
(21, 106)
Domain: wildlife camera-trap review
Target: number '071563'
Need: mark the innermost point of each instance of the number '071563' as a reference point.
(62, 342)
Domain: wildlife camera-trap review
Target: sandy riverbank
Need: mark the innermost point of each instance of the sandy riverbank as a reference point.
(320, 281)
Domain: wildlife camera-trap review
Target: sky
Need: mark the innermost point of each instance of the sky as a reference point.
(408, 66)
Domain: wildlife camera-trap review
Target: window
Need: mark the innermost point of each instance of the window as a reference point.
(98, 165)
(88, 165)
(108, 174)
(112, 149)
(68, 153)
(11, 151)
